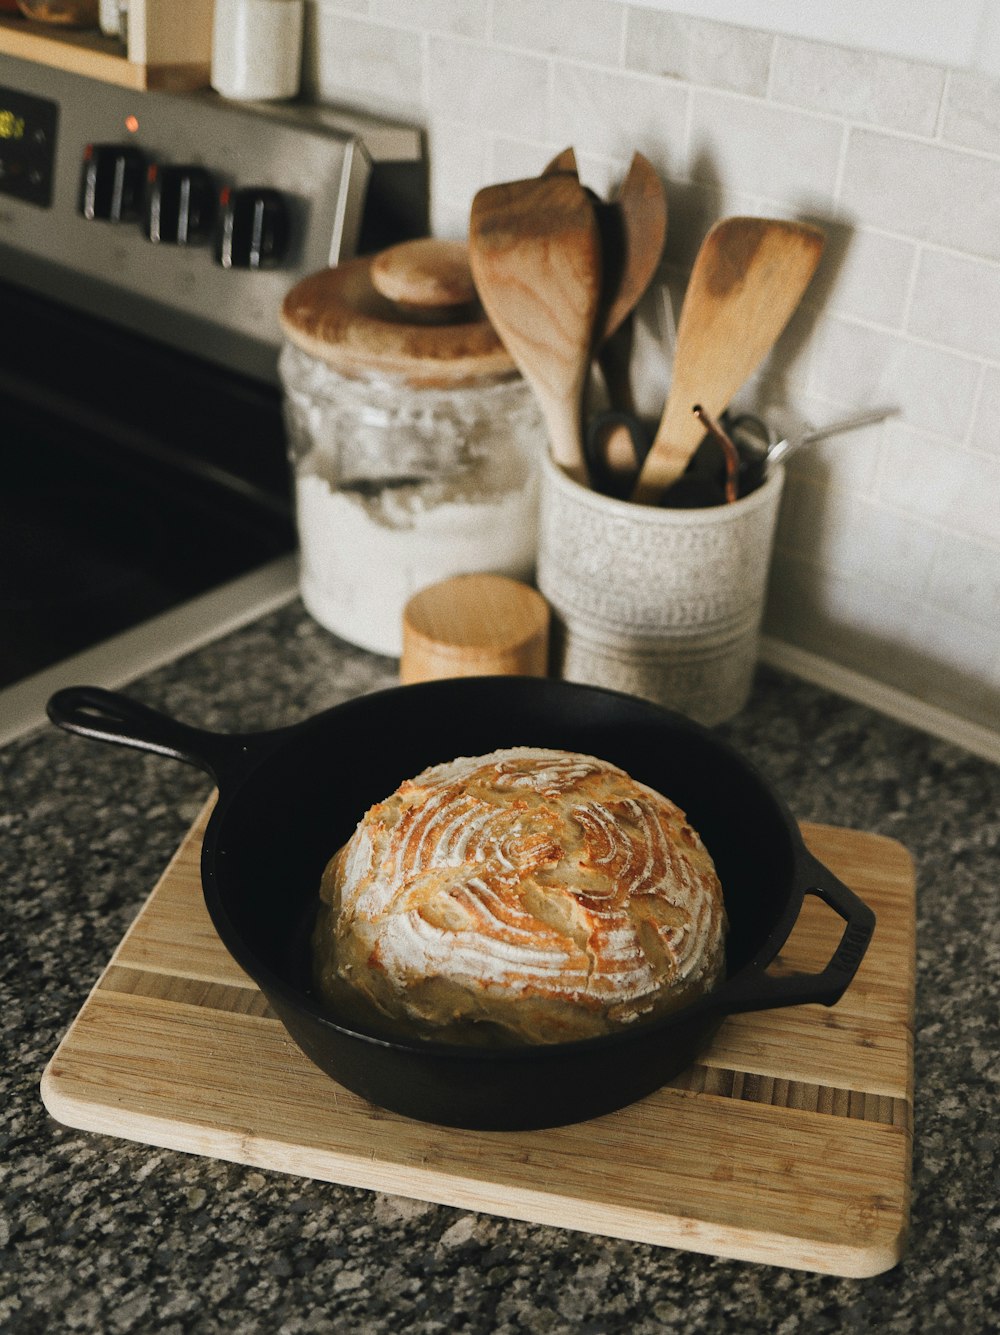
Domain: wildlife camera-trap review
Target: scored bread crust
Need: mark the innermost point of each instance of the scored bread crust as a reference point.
(544, 894)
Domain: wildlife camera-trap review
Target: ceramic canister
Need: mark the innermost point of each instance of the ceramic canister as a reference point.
(257, 48)
(414, 442)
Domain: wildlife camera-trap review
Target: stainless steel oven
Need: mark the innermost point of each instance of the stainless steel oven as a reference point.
(146, 243)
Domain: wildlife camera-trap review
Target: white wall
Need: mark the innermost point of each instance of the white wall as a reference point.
(888, 557)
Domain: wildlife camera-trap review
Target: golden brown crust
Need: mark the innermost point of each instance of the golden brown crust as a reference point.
(544, 893)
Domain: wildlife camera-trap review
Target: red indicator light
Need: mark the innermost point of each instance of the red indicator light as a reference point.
(224, 195)
(131, 124)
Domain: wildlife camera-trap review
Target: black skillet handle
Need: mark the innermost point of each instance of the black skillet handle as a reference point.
(754, 989)
(90, 711)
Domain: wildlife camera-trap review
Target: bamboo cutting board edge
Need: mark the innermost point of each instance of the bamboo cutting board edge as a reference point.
(79, 1089)
(631, 1224)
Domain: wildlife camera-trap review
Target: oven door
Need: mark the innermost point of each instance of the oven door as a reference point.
(145, 502)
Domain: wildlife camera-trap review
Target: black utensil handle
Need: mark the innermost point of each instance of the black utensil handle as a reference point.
(754, 989)
(91, 711)
(595, 440)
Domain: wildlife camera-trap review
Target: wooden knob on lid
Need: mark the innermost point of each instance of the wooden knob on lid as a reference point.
(475, 625)
(425, 274)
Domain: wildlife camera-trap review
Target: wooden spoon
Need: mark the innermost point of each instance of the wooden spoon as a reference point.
(535, 252)
(748, 278)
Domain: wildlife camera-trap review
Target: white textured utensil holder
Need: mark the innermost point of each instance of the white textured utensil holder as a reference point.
(664, 604)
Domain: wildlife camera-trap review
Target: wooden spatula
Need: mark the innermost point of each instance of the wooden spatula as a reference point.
(638, 226)
(639, 214)
(748, 278)
(535, 252)
(633, 230)
(562, 162)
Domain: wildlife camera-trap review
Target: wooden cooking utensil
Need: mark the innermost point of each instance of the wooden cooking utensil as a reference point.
(638, 215)
(562, 162)
(747, 279)
(535, 252)
(633, 230)
(639, 211)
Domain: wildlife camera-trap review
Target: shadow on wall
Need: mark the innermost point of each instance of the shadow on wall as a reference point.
(694, 208)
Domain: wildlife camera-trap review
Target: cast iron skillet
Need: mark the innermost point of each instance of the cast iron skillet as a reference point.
(289, 798)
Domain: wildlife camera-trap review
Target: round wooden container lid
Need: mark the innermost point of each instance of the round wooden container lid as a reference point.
(410, 313)
(475, 625)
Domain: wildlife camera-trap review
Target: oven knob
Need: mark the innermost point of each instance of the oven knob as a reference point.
(114, 177)
(253, 228)
(180, 204)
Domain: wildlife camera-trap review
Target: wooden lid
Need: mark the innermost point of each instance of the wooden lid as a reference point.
(409, 313)
(475, 625)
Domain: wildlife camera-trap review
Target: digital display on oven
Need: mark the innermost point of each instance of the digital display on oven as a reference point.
(28, 128)
(11, 126)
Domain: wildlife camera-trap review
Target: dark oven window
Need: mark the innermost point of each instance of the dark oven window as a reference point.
(133, 478)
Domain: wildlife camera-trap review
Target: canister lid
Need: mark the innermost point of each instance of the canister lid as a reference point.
(409, 313)
(475, 625)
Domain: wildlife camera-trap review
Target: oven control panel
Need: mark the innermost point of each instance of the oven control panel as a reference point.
(183, 216)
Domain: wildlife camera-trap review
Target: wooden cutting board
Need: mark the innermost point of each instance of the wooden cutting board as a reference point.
(788, 1143)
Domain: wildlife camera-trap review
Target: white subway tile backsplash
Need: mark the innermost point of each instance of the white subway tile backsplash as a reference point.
(846, 532)
(968, 647)
(517, 159)
(972, 111)
(888, 548)
(357, 7)
(848, 462)
(487, 86)
(966, 575)
(860, 367)
(924, 191)
(956, 301)
(364, 64)
(575, 29)
(462, 163)
(985, 434)
(692, 211)
(793, 611)
(864, 274)
(611, 114)
(751, 147)
(450, 219)
(872, 629)
(459, 18)
(857, 85)
(784, 373)
(815, 607)
(698, 51)
(941, 483)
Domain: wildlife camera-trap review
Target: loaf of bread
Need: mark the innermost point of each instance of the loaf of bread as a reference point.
(532, 895)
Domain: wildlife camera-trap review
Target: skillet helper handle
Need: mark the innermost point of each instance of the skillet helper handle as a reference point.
(757, 990)
(106, 716)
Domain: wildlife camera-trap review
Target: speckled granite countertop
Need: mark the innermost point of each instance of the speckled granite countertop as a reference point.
(104, 1235)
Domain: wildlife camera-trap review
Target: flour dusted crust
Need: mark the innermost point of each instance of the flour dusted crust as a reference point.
(544, 894)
